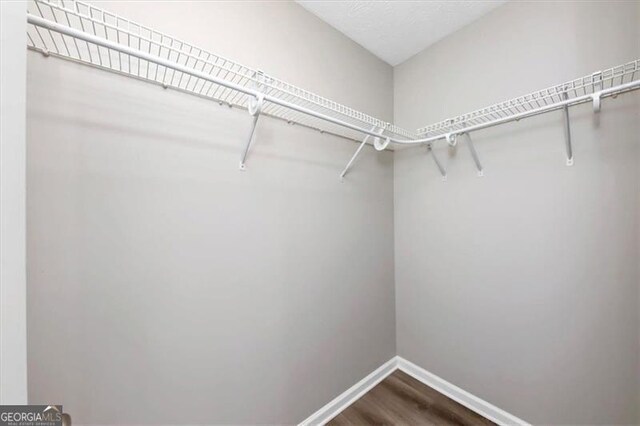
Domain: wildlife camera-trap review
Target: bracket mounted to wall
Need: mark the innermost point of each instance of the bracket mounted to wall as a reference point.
(567, 131)
(380, 143)
(442, 170)
(452, 139)
(597, 91)
(474, 154)
(254, 107)
(355, 155)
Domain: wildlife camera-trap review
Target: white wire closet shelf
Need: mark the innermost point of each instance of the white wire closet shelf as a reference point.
(81, 32)
(84, 33)
(591, 88)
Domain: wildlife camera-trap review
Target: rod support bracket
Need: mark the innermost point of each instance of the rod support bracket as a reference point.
(452, 139)
(596, 78)
(381, 144)
(362, 144)
(474, 155)
(567, 131)
(247, 146)
(597, 104)
(254, 105)
(442, 170)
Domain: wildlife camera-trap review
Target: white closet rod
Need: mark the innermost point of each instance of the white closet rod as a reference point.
(621, 88)
(81, 35)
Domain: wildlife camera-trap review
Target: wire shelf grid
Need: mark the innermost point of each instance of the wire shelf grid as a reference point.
(109, 26)
(587, 85)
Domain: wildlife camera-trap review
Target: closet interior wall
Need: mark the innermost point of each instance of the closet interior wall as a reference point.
(166, 286)
(521, 286)
(13, 282)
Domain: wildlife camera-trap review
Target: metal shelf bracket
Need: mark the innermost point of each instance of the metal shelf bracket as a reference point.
(443, 172)
(567, 131)
(597, 89)
(474, 154)
(247, 146)
(355, 155)
(254, 107)
(380, 143)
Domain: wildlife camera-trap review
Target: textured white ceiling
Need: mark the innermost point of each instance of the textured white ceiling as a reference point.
(396, 30)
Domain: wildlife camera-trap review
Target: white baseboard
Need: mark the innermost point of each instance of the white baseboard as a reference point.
(472, 402)
(349, 396)
(461, 396)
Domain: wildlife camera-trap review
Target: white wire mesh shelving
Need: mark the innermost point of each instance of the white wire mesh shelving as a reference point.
(605, 83)
(84, 33)
(81, 32)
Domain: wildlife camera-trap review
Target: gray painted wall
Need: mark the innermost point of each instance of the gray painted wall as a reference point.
(522, 287)
(165, 286)
(13, 282)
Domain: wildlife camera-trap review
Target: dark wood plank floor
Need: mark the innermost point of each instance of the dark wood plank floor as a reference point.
(402, 400)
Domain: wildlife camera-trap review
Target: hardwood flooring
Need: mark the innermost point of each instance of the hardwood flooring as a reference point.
(402, 400)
